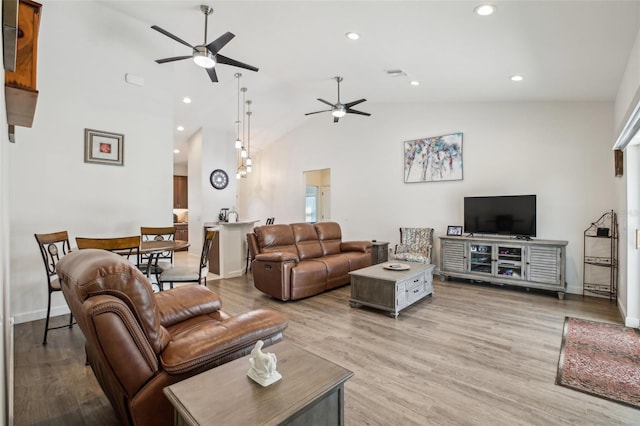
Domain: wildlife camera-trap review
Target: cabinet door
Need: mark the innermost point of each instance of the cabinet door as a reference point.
(545, 264)
(180, 192)
(510, 261)
(480, 258)
(452, 254)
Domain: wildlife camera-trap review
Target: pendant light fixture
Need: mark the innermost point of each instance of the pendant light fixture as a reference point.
(248, 160)
(238, 142)
(243, 150)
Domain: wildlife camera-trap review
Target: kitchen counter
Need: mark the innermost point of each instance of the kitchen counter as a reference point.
(227, 258)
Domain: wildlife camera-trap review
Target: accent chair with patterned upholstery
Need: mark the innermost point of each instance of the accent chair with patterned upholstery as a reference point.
(415, 245)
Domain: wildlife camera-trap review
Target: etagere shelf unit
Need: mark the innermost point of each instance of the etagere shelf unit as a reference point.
(600, 270)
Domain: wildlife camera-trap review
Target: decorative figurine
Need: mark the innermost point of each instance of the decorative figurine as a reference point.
(263, 366)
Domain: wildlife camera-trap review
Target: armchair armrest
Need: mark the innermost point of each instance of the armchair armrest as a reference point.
(362, 246)
(184, 302)
(206, 344)
(277, 256)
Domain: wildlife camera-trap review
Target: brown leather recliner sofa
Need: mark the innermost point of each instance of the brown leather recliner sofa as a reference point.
(301, 260)
(138, 342)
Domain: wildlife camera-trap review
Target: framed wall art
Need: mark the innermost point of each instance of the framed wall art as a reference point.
(103, 147)
(433, 159)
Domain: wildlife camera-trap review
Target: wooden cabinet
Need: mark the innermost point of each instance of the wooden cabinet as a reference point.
(526, 263)
(180, 192)
(20, 85)
(379, 252)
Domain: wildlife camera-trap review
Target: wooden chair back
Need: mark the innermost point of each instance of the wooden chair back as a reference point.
(125, 246)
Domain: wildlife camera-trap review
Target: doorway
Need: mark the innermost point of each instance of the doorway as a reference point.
(317, 197)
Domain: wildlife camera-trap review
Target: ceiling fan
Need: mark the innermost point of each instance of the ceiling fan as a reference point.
(339, 109)
(205, 55)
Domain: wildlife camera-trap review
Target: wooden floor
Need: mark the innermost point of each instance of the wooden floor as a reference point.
(472, 354)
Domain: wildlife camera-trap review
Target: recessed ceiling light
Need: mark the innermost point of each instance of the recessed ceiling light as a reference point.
(176, 151)
(485, 9)
(186, 100)
(415, 83)
(516, 78)
(180, 128)
(352, 36)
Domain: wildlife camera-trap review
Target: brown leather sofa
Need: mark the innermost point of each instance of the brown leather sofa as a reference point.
(138, 342)
(301, 260)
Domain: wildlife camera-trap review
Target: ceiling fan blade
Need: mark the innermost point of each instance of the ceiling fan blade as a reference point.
(212, 74)
(228, 61)
(354, 103)
(353, 111)
(326, 102)
(168, 34)
(175, 58)
(217, 44)
(335, 119)
(317, 112)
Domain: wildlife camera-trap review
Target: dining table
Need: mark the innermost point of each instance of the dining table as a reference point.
(155, 247)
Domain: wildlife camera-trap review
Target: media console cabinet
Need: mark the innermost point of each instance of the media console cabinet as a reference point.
(539, 264)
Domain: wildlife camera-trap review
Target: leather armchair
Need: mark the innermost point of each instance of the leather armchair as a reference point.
(138, 342)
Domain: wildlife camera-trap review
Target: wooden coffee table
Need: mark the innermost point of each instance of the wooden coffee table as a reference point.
(391, 290)
(311, 391)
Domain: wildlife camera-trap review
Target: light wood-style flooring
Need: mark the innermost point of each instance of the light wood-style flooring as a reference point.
(472, 354)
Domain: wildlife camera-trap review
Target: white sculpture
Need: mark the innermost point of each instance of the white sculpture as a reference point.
(263, 366)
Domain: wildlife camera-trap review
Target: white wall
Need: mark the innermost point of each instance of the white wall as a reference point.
(559, 151)
(51, 187)
(628, 194)
(6, 339)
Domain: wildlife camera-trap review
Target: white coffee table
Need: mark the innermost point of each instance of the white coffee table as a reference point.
(391, 290)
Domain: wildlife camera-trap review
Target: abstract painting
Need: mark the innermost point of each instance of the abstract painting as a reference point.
(433, 159)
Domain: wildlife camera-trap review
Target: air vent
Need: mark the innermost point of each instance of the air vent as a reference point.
(396, 73)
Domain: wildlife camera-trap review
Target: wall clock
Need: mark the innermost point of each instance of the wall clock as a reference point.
(219, 179)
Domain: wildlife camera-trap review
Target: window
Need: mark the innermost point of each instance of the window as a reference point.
(311, 204)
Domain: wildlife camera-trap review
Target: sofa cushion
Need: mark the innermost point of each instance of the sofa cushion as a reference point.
(330, 237)
(309, 277)
(273, 238)
(337, 269)
(306, 239)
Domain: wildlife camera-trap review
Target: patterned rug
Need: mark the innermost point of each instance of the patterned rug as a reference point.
(600, 359)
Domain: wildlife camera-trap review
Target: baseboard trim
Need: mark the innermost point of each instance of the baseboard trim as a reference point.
(40, 314)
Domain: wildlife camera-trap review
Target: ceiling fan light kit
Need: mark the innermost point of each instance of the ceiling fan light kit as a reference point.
(203, 58)
(205, 55)
(339, 109)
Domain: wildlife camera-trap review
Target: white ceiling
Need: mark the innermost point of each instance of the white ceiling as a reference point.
(566, 51)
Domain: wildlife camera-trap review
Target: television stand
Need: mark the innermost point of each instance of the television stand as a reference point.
(539, 264)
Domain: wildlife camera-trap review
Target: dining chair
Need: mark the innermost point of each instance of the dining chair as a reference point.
(124, 246)
(52, 247)
(162, 260)
(250, 255)
(185, 274)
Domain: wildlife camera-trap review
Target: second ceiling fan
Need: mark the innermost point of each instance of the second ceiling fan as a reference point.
(339, 109)
(205, 55)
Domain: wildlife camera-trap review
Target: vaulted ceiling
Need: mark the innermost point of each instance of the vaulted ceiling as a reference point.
(565, 50)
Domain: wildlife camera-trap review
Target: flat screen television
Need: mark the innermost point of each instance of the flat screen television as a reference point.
(503, 215)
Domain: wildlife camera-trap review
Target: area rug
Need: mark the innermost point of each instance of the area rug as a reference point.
(600, 359)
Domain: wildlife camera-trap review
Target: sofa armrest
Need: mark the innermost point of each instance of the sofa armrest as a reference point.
(206, 343)
(277, 256)
(184, 302)
(363, 246)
